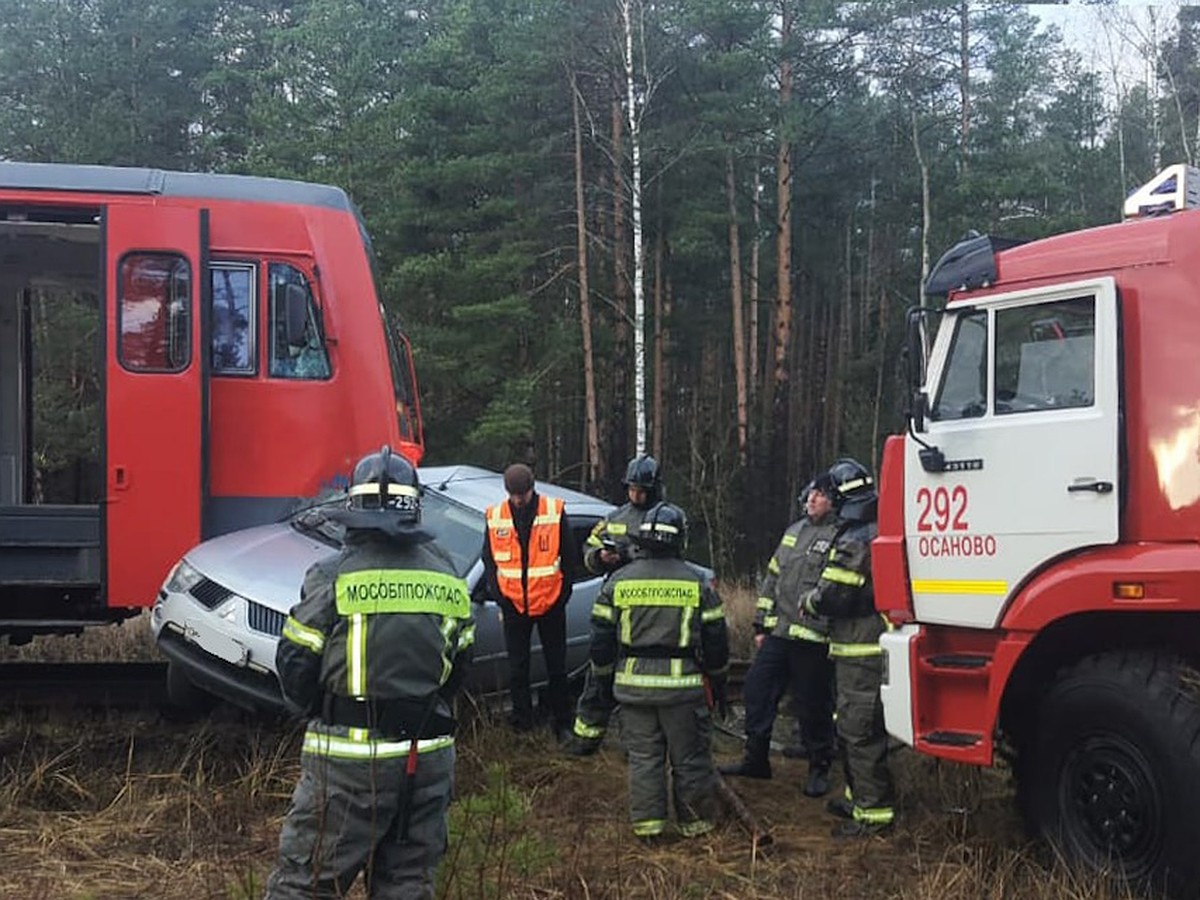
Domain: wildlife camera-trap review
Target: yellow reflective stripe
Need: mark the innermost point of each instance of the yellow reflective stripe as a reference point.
(839, 575)
(773, 566)
(617, 528)
(853, 650)
(502, 556)
(508, 572)
(356, 657)
(991, 588)
(656, 592)
(447, 629)
(788, 540)
(807, 634)
(498, 515)
(770, 621)
(632, 679)
(711, 615)
(878, 815)
(649, 827)
(466, 637)
(625, 625)
(543, 571)
(848, 486)
(603, 611)
(392, 490)
(373, 591)
(695, 828)
(320, 744)
(584, 730)
(301, 634)
(685, 626)
(764, 603)
(546, 520)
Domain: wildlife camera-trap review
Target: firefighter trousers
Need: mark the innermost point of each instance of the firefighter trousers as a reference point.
(863, 738)
(594, 709)
(675, 742)
(346, 818)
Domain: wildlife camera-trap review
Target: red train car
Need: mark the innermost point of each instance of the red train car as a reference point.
(181, 355)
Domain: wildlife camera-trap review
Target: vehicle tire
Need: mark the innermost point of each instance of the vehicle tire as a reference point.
(1109, 771)
(183, 694)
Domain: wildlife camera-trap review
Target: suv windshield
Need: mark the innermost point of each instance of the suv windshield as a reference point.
(458, 530)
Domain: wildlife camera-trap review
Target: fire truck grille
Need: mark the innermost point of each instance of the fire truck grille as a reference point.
(210, 594)
(264, 619)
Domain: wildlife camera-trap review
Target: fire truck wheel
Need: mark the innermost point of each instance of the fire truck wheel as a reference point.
(186, 699)
(1109, 772)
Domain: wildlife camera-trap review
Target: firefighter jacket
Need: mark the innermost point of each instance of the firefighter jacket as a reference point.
(376, 647)
(845, 595)
(617, 528)
(793, 570)
(527, 555)
(662, 629)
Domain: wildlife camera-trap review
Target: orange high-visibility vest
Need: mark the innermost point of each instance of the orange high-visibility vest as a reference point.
(543, 570)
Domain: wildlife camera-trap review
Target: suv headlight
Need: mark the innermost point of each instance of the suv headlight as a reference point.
(183, 578)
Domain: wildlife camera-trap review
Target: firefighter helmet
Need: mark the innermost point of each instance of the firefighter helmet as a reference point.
(853, 488)
(644, 472)
(663, 531)
(384, 494)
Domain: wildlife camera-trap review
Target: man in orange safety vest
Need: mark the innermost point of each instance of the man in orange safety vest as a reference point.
(529, 559)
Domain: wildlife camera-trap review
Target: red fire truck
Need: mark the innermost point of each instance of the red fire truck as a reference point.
(181, 355)
(1039, 531)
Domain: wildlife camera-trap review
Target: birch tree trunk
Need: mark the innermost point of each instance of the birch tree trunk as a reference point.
(633, 112)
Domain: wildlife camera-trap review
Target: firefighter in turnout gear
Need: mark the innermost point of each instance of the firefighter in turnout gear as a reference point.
(663, 631)
(610, 546)
(373, 654)
(844, 594)
(529, 562)
(793, 648)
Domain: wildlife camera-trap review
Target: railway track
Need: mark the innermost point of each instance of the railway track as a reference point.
(127, 685)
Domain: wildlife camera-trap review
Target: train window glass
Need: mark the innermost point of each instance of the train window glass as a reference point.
(298, 349)
(154, 312)
(233, 318)
(1045, 356)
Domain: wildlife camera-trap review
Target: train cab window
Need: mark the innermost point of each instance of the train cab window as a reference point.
(233, 318)
(155, 312)
(1045, 356)
(297, 340)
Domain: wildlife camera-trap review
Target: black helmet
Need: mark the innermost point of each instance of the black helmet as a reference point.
(663, 530)
(854, 494)
(643, 472)
(384, 494)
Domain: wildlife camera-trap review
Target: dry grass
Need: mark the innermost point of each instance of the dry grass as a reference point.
(108, 806)
(130, 640)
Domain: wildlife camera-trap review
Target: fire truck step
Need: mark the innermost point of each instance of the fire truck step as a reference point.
(951, 738)
(958, 661)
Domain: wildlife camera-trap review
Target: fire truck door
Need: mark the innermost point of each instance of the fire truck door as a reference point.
(1024, 407)
(156, 394)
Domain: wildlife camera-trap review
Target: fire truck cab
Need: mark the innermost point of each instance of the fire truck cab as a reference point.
(181, 355)
(1039, 531)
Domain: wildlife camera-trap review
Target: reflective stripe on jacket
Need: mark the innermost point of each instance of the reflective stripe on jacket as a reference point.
(531, 585)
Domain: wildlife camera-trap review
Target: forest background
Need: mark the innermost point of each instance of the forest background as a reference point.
(799, 165)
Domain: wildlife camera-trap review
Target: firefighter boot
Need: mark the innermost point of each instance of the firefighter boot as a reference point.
(755, 763)
(817, 784)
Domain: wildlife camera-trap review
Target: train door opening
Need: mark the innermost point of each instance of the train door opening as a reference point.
(51, 413)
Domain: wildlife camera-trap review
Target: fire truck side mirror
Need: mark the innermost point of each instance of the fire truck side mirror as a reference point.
(916, 400)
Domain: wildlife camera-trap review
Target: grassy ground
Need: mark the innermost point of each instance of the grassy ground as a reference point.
(108, 805)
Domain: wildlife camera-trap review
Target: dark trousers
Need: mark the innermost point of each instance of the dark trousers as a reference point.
(552, 632)
(805, 667)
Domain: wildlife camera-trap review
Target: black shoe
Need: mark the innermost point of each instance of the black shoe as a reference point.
(795, 751)
(818, 782)
(840, 807)
(575, 746)
(747, 768)
(860, 829)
